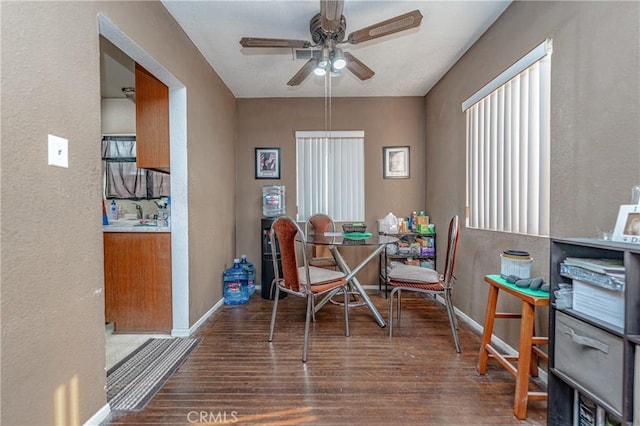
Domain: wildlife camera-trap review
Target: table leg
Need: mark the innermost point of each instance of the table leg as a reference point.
(524, 360)
(489, 317)
(350, 276)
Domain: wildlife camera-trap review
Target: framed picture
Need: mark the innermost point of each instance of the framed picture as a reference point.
(267, 163)
(395, 162)
(627, 228)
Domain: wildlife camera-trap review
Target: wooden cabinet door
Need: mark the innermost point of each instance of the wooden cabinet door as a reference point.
(137, 274)
(152, 122)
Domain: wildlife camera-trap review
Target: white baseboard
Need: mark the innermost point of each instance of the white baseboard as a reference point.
(202, 320)
(100, 416)
(479, 329)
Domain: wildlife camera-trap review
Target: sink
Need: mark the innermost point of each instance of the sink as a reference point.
(126, 222)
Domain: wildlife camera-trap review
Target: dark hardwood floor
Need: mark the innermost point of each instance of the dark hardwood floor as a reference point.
(237, 376)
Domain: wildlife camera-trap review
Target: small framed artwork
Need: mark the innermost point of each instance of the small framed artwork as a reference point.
(267, 163)
(627, 228)
(395, 162)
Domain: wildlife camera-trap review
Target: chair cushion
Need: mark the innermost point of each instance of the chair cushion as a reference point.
(323, 262)
(319, 275)
(414, 274)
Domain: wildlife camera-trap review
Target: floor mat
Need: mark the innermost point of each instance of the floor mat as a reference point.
(135, 380)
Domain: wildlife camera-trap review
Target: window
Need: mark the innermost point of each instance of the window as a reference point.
(123, 179)
(508, 146)
(330, 175)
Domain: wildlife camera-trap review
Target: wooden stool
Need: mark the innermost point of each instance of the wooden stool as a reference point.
(528, 353)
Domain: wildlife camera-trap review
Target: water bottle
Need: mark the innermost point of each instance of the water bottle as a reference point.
(273, 204)
(235, 291)
(113, 211)
(251, 274)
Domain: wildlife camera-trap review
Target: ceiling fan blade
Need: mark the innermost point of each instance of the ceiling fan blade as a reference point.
(384, 28)
(359, 69)
(303, 72)
(274, 42)
(331, 13)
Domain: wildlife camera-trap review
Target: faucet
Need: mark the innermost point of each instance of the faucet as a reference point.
(138, 210)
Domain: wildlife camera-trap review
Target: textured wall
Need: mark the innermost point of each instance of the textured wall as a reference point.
(273, 122)
(595, 131)
(53, 352)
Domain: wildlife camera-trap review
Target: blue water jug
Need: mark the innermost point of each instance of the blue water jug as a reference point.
(235, 290)
(251, 274)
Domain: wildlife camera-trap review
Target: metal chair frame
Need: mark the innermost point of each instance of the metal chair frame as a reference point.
(292, 284)
(443, 288)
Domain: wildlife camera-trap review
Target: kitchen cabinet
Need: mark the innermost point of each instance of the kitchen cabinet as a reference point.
(137, 273)
(592, 360)
(152, 122)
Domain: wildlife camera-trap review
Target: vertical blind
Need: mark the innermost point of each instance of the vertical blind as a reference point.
(508, 149)
(330, 175)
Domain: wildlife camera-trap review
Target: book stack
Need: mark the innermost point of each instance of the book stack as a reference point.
(606, 273)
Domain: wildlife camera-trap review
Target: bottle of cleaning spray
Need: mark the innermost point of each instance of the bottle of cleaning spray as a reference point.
(113, 211)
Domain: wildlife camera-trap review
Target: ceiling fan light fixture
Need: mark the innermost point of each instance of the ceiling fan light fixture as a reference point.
(324, 61)
(319, 71)
(339, 62)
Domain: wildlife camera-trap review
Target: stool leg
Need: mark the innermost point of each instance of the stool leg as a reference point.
(533, 365)
(524, 361)
(489, 317)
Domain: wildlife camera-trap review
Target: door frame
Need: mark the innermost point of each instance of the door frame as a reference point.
(179, 171)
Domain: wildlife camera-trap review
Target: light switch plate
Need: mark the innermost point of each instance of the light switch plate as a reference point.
(58, 151)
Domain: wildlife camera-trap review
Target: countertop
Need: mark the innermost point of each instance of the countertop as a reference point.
(130, 226)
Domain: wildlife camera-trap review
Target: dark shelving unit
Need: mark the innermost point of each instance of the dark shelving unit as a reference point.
(571, 381)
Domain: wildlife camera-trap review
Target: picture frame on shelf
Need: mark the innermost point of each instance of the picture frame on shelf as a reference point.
(395, 162)
(267, 163)
(627, 228)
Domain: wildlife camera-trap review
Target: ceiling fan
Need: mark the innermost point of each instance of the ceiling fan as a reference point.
(328, 30)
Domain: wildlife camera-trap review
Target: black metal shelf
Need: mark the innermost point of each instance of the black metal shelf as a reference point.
(385, 257)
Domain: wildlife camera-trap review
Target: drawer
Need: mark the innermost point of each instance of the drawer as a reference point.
(591, 357)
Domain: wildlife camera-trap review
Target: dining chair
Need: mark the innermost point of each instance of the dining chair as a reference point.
(320, 223)
(299, 278)
(427, 281)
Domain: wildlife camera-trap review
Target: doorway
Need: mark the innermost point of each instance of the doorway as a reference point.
(178, 176)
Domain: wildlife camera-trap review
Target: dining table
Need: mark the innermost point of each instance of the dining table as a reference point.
(337, 241)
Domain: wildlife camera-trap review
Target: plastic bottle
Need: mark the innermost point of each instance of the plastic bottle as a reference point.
(391, 223)
(235, 291)
(168, 207)
(273, 203)
(414, 222)
(113, 211)
(251, 273)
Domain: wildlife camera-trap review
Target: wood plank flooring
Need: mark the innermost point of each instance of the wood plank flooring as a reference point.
(237, 376)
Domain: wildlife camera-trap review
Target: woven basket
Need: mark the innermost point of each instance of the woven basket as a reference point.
(350, 227)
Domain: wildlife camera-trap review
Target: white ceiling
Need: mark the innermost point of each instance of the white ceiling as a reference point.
(408, 63)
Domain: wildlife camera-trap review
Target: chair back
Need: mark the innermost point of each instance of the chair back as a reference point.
(285, 229)
(319, 223)
(452, 246)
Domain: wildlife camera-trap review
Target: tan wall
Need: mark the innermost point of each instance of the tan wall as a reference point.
(273, 122)
(595, 132)
(53, 353)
